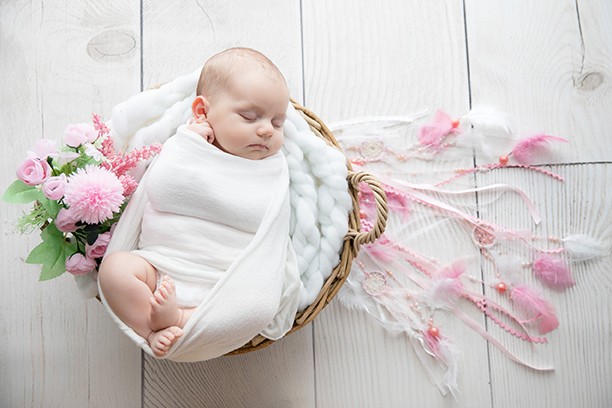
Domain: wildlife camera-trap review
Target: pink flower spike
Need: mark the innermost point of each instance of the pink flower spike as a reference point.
(107, 148)
(553, 272)
(528, 150)
(128, 161)
(94, 194)
(99, 125)
(129, 184)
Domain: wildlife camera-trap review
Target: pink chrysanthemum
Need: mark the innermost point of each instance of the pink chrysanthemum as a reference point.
(94, 194)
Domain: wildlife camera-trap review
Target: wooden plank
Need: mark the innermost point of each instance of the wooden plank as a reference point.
(395, 58)
(580, 348)
(280, 375)
(365, 58)
(546, 65)
(178, 37)
(60, 62)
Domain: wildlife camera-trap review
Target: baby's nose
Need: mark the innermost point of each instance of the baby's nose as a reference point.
(265, 130)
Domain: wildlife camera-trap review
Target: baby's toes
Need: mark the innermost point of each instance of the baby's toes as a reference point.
(159, 351)
(177, 332)
(165, 340)
(170, 285)
(159, 298)
(163, 291)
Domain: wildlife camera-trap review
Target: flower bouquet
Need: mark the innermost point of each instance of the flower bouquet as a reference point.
(78, 193)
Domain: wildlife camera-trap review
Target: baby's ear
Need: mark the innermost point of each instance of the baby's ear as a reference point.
(199, 108)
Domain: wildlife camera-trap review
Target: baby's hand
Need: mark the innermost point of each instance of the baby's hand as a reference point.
(203, 129)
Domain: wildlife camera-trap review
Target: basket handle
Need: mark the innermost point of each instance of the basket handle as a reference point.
(359, 237)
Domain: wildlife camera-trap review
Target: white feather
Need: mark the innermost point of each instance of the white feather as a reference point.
(489, 119)
(582, 247)
(489, 130)
(510, 268)
(450, 354)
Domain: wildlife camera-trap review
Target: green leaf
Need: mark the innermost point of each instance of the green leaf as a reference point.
(51, 253)
(51, 206)
(20, 193)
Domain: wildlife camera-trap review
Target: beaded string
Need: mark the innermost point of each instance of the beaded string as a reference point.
(375, 150)
(484, 239)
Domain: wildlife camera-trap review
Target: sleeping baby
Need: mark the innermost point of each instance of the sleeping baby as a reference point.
(212, 265)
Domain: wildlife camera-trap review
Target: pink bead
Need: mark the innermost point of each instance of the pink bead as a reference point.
(433, 331)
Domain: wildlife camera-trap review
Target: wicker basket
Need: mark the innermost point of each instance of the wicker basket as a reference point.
(352, 241)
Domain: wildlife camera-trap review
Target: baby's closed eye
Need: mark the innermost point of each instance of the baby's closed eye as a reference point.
(249, 116)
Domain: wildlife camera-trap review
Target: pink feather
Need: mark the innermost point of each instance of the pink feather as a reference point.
(382, 250)
(446, 287)
(537, 308)
(432, 134)
(444, 293)
(528, 150)
(553, 272)
(397, 201)
(453, 271)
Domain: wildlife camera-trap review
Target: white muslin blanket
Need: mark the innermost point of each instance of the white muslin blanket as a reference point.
(318, 189)
(219, 226)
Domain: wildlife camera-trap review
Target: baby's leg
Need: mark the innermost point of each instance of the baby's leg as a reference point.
(128, 282)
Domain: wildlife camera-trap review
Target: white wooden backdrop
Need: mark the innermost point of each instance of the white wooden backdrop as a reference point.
(548, 63)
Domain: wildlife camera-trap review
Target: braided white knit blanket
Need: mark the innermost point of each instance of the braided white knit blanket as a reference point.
(319, 196)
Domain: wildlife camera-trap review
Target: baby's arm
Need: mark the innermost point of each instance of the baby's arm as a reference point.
(203, 129)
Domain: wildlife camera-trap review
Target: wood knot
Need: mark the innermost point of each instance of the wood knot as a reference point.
(589, 81)
(112, 46)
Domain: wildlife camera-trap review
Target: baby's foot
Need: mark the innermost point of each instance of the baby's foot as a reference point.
(161, 341)
(164, 310)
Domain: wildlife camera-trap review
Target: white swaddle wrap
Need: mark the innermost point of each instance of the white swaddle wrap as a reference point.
(219, 226)
(320, 201)
(319, 206)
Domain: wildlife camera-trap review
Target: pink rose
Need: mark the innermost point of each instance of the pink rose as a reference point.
(65, 220)
(33, 171)
(54, 187)
(77, 135)
(44, 148)
(98, 248)
(78, 264)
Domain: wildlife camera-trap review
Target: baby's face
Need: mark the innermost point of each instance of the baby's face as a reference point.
(247, 118)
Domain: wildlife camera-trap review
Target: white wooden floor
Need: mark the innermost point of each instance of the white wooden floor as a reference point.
(548, 63)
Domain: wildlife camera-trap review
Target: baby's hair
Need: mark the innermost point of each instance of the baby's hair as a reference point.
(221, 67)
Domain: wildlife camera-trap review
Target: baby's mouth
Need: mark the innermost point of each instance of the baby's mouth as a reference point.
(258, 146)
